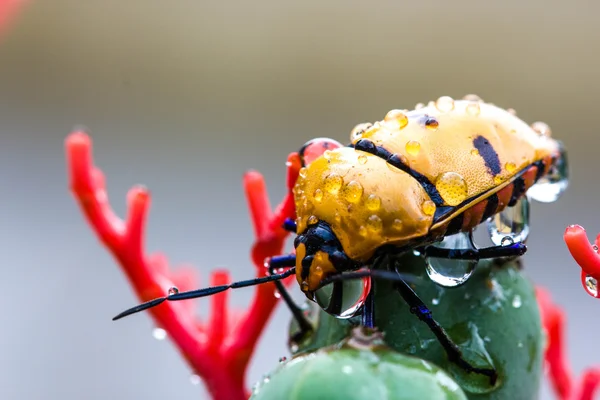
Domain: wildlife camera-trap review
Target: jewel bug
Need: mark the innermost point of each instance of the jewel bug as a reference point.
(408, 183)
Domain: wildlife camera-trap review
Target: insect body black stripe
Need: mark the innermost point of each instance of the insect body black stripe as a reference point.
(490, 207)
(394, 160)
(489, 155)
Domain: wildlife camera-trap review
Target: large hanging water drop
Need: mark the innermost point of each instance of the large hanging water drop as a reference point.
(512, 223)
(343, 299)
(550, 187)
(450, 273)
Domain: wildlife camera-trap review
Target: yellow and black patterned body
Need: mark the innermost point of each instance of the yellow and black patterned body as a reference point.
(411, 179)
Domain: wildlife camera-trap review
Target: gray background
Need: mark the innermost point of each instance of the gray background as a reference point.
(185, 97)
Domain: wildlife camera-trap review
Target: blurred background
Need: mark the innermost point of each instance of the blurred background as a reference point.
(186, 97)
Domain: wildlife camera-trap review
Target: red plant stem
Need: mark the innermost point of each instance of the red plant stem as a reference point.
(216, 350)
(582, 250)
(559, 371)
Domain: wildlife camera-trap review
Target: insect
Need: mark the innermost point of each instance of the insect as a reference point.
(419, 180)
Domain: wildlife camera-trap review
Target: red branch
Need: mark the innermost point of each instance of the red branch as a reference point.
(219, 349)
(561, 377)
(584, 254)
(8, 11)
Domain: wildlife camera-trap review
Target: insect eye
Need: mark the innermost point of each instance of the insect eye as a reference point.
(343, 299)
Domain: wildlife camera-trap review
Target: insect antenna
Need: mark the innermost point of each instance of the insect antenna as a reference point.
(194, 294)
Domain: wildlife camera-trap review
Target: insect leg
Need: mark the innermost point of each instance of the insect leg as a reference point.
(303, 323)
(289, 225)
(419, 308)
(193, 294)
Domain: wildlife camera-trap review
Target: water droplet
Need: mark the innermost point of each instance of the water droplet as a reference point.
(452, 187)
(541, 128)
(302, 173)
(498, 180)
(374, 223)
(551, 186)
(474, 152)
(304, 286)
(418, 106)
(282, 359)
(318, 195)
(277, 294)
(444, 104)
(358, 131)
(511, 167)
(507, 241)
(362, 159)
(159, 333)
(312, 220)
(173, 290)
(512, 222)
(397, 118)
(416, 253)
(428, 207)
(327, 154)
(435, 301)
(450, 273)
(473, 109)
(195, 379)
(512, 111)
(591, 285)
(413, 147)
(353, 192)
(432, 124)
(343, 299)
(347, 369)
(520, 344)
(595, 247)
(472, 97)
(333, 183)
(517, 302)
(397, 224)
(373, 202)
(362, 231)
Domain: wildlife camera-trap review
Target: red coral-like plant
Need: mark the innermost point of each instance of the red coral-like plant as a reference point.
(219, 349)
(586, 255)
(8, 11)
(565, 385)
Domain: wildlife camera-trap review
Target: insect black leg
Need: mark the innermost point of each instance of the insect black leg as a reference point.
(511, 250)
(303, 323)
(368, 316)
(419, 308)
(289, 225)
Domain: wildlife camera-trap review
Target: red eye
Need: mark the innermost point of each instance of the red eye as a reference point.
(315, 148)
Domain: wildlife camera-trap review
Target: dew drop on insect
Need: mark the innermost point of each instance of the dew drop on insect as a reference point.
(362, 159)
(397, 225)
(333, 183)
(396, 118)
(435, 301)
(452, 187)
(542, 129)
(472, 97)
(343, 299)
(450, 273)
(312, 220)
(374, 223)
(550, 187)
(507, 241)
(353, 192)
(304, 286)
(358, 131)
(318, 195)
(173, 290)
(444, 104)
(428, 207)
(159, 334)
(432, 124)
(277, 294)
(413, 147)
(511, 167)
(498, 180)
(473, 109)
(362, 231)
(418, 106)
(591, 286)
(302, 173)
(327, 154)
(517, 302)
(195, 379)
(474, 152)
(373, 202)
(511, 223)
(512, 111)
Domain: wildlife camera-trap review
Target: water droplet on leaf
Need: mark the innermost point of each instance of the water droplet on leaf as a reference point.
(450, 273)
(517, 302)
(159, 333)
(512, 222)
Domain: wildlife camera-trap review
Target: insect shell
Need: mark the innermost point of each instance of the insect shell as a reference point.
(414, 178)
